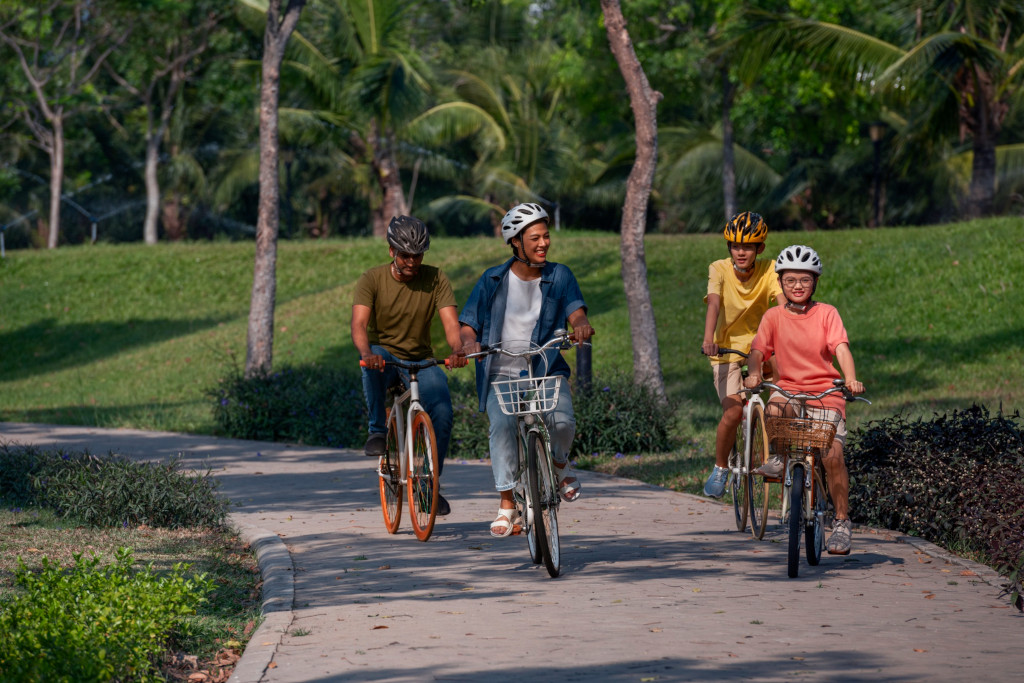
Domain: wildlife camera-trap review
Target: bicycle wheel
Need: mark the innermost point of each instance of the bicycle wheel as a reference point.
(534, 537)
(756, 485)
(738, 480)
(548, 503)
(424, 481)
(796, 519)
(390, 474)
(815, 531)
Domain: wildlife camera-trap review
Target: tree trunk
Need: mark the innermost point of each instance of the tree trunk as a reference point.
(644, 102)
(260, 340)
(149, 226)
(728, 151)
(56, 181)
(390, 180)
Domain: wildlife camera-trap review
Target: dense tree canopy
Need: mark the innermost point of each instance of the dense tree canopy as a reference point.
(454, 110)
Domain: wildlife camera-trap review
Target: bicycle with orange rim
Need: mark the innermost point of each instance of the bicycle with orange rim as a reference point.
(409, 463)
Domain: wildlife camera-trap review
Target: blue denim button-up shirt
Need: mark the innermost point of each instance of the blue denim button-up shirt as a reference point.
(485, 313)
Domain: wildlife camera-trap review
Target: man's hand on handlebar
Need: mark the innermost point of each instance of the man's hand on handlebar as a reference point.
(709, 348)
(457, 359)
(373, 361)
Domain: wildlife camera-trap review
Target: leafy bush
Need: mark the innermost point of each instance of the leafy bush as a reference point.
(111, 490)
(93, 623)
(469, 425)
(620, 416)
(955, 480)
(307, 405)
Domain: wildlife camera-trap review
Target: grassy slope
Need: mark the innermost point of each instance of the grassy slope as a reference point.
(132, 335)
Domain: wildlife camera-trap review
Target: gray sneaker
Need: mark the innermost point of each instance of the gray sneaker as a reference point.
(715, 485)
(839, 541)
(773, 468)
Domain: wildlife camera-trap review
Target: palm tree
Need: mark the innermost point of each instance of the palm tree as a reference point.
(959, 67)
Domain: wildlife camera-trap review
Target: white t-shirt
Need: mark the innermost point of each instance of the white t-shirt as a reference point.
(522, 309)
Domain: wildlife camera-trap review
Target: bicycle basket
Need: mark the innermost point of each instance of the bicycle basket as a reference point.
(527, 394)
(802, 433)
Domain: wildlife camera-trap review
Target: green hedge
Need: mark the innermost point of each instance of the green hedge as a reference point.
(956, 480)
(110, 490)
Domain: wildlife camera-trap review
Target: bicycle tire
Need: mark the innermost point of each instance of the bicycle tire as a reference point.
(738, 480)
(796, 520)
(757, 487)
(390, 475)
(533, 501)
(424, 481)
(814, 541)
(549, 500)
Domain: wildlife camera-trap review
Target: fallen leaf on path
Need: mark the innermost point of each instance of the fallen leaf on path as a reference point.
(917, 649)
(655, 630)
(377, 628)
(967, 572)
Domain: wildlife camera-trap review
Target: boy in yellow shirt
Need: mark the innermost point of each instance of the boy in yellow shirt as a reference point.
(740, 290)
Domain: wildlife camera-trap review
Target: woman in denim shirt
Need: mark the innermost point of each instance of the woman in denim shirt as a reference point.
(524, 300)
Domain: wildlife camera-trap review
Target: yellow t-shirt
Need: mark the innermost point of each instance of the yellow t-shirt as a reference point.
(401, 312)
(743, 303)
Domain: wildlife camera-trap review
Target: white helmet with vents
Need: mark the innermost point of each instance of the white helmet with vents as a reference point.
(519, 217)
(798, 257)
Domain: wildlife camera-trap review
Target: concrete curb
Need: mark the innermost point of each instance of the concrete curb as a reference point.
(278, 574)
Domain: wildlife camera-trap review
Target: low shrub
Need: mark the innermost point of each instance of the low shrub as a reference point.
(469, 426)
(93, 623)
(111, 490)
(307, 405)
(956, 480)
(618, 415)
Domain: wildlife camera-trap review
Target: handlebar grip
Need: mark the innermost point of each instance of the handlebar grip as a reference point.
(362, 363)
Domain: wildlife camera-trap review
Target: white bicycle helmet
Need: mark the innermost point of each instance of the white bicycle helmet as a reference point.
(520, 216)
(798, 257)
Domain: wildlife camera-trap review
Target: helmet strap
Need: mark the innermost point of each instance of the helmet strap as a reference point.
(517, 257)
(799, 308)
(740, 270)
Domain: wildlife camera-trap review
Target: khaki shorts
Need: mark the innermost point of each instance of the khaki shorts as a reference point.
(728, 379)
(840, 428)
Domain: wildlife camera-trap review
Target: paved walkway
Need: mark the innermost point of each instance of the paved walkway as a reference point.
(656, 585)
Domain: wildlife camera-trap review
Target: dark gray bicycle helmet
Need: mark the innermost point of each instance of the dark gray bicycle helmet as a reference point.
(408, 234)
(520, 216)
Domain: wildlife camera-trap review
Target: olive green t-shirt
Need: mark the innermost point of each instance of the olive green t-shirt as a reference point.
(401, 312)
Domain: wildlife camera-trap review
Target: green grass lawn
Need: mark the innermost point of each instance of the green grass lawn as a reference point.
(132, 336)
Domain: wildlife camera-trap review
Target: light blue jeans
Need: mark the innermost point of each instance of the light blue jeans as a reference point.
(503, 444)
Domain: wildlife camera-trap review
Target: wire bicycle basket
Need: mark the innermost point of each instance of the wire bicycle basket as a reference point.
(813, 432)
(526, 395)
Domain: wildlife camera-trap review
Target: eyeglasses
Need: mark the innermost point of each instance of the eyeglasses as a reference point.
(794, 281)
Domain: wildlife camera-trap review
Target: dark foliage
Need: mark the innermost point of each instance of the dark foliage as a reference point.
(110, 490)
(308, 405)
(957, 480)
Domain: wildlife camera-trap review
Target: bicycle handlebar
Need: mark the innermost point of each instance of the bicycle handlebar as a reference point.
(561, 339)
(411, 364)
(840, 387)
(722, 351)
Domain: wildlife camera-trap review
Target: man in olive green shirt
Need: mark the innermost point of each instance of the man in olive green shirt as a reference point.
(392, 309)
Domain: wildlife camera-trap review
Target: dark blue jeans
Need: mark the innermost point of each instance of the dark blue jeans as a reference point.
(434, 396)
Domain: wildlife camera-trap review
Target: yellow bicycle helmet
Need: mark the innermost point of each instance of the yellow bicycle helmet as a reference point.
(746, 228)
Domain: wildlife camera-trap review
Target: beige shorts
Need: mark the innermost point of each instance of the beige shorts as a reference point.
(728, 379)
(840, 428)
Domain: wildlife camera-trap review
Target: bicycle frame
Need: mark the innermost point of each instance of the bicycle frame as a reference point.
(410, 398)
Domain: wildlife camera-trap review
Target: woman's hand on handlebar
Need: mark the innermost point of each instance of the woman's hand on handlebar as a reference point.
(752, 380)
(581, 333)
(856, 387)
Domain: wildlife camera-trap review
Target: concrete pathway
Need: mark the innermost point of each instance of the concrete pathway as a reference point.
(655, 585)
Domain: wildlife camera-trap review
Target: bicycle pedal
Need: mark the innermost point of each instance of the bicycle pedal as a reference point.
(517, 529)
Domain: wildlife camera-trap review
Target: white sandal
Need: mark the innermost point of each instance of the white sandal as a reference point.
(570, 490)
(507, 520)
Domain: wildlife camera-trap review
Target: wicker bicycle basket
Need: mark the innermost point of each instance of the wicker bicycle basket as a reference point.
(802, 433)
(527, 394)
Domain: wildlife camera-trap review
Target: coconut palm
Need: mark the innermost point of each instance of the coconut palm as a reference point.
(958, 70)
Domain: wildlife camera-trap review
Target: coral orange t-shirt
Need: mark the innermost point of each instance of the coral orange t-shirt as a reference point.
(804, 347)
